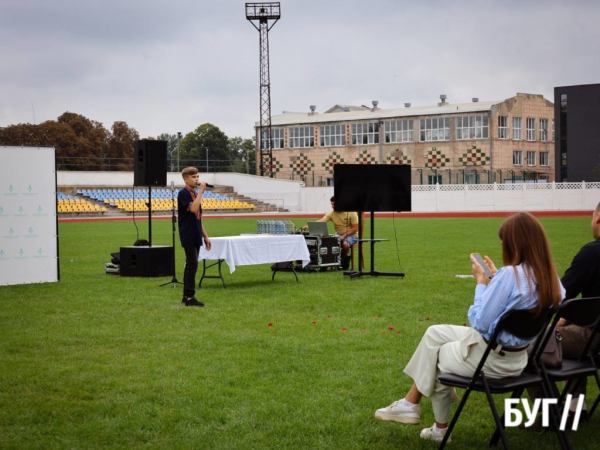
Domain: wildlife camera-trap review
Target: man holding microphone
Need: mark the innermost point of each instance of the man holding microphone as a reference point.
(191, 231)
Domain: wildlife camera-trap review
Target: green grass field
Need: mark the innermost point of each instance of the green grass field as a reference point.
(101, 361)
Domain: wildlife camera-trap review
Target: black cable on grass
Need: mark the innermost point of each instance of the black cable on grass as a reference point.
(396, 237)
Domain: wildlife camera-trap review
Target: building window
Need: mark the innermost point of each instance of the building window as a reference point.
(435, 129)
(434, 179)
(502, 127)
(517, 128)
(472, 178)
(276, 137)
(553, 135)
(329, 181)
(544, 130)
(301, 137)
(517, 158)
(530, 129)
(333, 135)
(398, 131)
(531, 158)
(365, 133)
(544, 159)
(471, 127)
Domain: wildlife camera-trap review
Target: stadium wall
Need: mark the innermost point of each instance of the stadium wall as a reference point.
(292, 196)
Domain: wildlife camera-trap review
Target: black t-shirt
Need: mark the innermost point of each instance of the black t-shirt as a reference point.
(190, 227)
(583, 276)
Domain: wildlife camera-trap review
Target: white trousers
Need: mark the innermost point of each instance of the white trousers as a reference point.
(458, 350)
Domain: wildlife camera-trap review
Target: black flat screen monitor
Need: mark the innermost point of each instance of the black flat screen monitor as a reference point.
(377, 188)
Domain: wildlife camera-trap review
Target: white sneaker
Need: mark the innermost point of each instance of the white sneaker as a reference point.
(432, 435)
(397, 412)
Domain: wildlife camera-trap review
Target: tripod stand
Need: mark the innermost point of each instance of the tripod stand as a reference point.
(173, 281)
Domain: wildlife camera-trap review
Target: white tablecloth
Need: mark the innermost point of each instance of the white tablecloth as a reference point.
(257, 249)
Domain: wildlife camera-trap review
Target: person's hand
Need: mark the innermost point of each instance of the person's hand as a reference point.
(477, 271)
(207, 244)
(490, 264)
(202, 185)
(561, 322)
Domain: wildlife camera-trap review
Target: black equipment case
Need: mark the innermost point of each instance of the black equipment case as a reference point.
(324, 251)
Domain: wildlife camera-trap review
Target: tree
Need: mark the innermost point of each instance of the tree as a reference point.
(206, 141)
(242, 153)
(171, 148)
(120, 145)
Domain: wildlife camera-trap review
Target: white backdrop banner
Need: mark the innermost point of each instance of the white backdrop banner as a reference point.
(28, 227)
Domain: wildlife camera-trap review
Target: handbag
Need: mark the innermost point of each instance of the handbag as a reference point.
(552, 353)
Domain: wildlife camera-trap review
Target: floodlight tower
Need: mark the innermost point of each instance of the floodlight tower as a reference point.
(263, 13)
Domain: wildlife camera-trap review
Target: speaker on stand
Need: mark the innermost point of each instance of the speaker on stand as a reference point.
(150, 169)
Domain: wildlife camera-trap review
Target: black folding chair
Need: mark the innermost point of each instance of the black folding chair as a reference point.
(522, 324)
(583, 312)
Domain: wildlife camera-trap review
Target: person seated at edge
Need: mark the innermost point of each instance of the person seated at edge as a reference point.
(582, 277)
(346, 226)
(528, 281)
(191, 231)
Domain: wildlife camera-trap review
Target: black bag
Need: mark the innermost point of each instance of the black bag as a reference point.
(552, 354)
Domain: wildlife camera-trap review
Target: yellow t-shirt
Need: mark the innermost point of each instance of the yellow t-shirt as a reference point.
(342, 221)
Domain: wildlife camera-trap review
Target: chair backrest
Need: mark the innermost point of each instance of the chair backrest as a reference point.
(522, 323)
(583, 312)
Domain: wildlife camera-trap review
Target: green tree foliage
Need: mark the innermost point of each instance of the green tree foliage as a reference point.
(206, 139)
(120, 144)
(242, 153)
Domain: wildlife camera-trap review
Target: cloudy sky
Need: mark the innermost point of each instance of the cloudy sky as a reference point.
(168, 66)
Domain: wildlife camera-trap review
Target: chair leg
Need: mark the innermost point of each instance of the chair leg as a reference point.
(499, 424)
(455, 418)
(595, 405)
(496, 436)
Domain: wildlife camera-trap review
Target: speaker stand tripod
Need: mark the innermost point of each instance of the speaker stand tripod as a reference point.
(174, 280)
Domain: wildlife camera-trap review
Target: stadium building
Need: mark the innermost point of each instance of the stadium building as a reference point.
(478, 142)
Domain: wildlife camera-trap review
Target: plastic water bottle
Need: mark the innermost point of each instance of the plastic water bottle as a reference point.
(258, 226)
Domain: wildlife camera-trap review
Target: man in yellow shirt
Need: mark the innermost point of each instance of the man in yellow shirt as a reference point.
(346, 226)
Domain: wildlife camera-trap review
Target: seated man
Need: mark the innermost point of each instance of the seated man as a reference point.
(582, 277)
(346, 226)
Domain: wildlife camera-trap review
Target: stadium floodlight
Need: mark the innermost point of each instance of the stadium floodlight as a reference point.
(263, 13)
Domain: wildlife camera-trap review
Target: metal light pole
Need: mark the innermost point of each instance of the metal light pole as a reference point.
(178, 146)
(263, 13)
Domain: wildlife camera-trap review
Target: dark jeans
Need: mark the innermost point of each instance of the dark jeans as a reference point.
(191, 267)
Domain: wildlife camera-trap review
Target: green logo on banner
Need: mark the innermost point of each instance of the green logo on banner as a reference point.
(1, 210)
(30, 230)
(21, 252)
(11, 188)
(30, 189)
(40, 251)
(39, 210)
(11, 231)
(1, 253)
(20, 210)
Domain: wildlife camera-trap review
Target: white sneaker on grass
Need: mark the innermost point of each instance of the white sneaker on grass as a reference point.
(398, 412)
(433, 435)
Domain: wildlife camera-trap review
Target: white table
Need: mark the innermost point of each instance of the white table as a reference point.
(254, 249)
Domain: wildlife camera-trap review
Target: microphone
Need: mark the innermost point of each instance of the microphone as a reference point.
(207, 185)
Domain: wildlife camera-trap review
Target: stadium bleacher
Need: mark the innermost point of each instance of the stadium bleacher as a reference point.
(135, 200)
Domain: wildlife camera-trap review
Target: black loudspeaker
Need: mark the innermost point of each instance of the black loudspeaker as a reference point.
(150, 163)
(147, 261)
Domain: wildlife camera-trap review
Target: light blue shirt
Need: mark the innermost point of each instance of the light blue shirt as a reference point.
(504, 293)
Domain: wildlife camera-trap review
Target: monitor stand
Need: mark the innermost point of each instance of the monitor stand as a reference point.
(373, 273)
